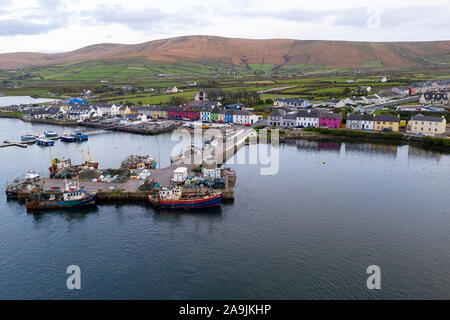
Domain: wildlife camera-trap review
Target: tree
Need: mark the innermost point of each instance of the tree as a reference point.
(177, 100)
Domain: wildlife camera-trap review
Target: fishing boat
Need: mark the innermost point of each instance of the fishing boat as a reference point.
(68, 137)
(20, 184)
(174, 199)
(51, 134)
(44, 142)
(72, 196)
(59, 165)
(80, 136)
(28, 138)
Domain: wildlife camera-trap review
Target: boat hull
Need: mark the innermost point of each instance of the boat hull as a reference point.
(48, 205)
(209, 202)
(46, 143)
(68, 139)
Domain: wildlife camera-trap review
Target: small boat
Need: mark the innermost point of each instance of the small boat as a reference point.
(73, 196)
(79, 136)
(51, 134)
(28, 137)
(174, 199)
(44, 142)
(68, 137)
(31, 176)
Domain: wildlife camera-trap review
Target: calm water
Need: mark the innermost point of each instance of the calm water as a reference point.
(18, 100)
(309, 231)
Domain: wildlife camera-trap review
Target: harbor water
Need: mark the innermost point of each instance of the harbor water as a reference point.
(307, 232)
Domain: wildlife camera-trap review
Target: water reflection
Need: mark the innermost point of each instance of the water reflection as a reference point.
(316, 145)
(421, 153)
(69, 214)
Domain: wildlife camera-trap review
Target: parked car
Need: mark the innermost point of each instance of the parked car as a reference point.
(247, 125)
(387, 130)
(300, 126)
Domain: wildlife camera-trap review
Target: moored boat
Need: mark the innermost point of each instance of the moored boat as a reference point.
(174, 199)
(73, 196)
(80, 136)
(59, 165)
(51, 134)
(68, 137)
(28, 137)
(44, 142)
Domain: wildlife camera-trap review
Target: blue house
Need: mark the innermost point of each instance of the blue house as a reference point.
(229, 115)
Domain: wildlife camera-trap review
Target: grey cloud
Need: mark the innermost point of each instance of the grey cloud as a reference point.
(12, 27)
(143, 19)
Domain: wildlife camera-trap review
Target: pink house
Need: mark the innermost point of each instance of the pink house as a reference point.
(330, 120)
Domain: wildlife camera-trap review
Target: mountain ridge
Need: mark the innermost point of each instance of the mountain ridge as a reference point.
(240, 51)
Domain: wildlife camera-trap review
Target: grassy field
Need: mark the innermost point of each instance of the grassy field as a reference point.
(102, 77)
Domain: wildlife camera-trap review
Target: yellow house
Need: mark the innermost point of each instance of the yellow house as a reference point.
(124, 110)
(420, 124)
(386, 123)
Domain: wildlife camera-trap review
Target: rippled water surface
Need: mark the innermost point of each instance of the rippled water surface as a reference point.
(307, 232)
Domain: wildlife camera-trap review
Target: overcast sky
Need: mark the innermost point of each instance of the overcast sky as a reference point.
(63, 25)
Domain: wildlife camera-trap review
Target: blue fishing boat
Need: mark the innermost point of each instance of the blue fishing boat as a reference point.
(45, 142)
(28, 138)
(174, 199)
(51, 134)
(72, 196)
(67, 137)
(80, 136)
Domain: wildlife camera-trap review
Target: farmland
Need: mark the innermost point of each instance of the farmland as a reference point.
(103, 77)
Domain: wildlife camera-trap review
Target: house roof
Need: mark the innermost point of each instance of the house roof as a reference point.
(360, 117)
(308, 114)
(330, 115)
(421, 117)
(387, 118)
(276, 113)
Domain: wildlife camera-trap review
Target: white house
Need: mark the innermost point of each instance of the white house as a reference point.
(308, 118)
(360, 121)
(172, 89)
(244, 117)
(106, 109)
(291, 103)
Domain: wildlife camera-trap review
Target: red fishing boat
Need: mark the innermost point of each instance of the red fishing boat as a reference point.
(174, 199)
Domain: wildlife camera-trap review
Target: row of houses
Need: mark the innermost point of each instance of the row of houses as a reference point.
(304, 118)
(206, 113)
(419, 124)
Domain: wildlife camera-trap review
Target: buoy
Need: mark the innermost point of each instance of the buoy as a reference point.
(324, 162)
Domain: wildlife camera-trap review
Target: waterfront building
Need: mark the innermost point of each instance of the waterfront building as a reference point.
(420, 124)
(106, 109)
(386, 122)
(308, 118)
(276, 118)
(330, 120)
(360, 121)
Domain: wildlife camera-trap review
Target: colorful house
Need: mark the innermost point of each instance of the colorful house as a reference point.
(229, 116)
(221, 116)
(386, 123)
(214, 115)
(330, 120)
(420, 124)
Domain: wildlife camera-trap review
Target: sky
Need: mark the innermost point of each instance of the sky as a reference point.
(64, 25)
